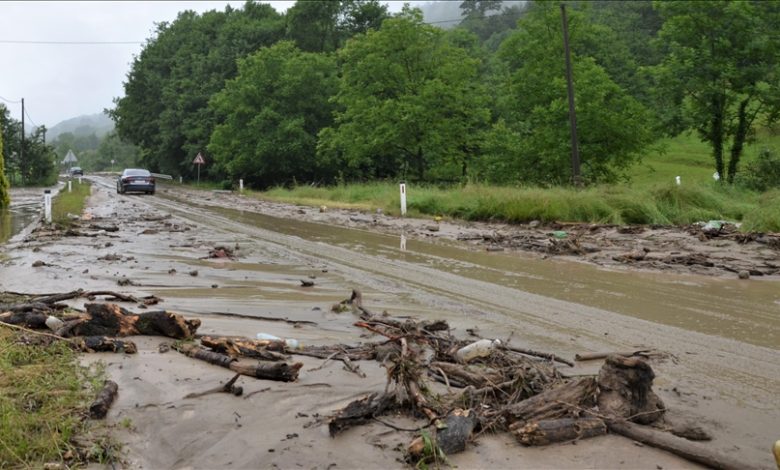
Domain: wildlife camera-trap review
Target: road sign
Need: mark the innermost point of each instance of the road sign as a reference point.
(199, 161)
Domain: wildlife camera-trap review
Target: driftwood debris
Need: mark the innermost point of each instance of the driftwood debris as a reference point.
(360, 411)
(603, 355)
(566, 400)
(550, 431)
(105, 344)
(228, 387)
(236, 346)
(113, 320)
(279, 371)
(459, 426)
(681, 447)
(625, 390)
(105, 398)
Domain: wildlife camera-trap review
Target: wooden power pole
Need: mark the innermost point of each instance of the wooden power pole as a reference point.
(575, 152)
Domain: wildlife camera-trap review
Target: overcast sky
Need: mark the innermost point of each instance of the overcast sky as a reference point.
(61, 81)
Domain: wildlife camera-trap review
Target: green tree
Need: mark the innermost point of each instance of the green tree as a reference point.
(409, 104)
(5, 198)
(165, 108)
(531, 141)
(40, 160)
(720, 71)
(271, 114)
(11, 132)
(325, 25)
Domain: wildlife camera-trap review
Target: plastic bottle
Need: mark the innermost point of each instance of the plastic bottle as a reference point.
(481, 348)
(288, 343)
(54, 323)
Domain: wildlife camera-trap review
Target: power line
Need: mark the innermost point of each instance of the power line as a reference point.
(27, 113)
(9, 101)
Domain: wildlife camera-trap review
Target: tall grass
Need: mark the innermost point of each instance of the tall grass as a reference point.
(44, 394)
(70, 202)
(661, 204)
(649, 197)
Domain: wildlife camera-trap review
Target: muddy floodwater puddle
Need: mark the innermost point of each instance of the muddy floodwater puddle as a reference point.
(14, 219)
(730, 308)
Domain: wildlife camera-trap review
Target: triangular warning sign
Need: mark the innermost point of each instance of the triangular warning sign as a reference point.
(199, 160)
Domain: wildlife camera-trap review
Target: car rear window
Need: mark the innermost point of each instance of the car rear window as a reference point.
(137, 173)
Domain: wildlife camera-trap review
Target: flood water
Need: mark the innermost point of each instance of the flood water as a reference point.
(730, 308)
(25, 207)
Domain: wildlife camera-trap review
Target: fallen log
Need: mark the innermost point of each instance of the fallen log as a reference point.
(566, 400)
(676, 445)
(625, 390)
(360, 412)
(550, 431)
(236, 346)
(105, 398)
(32, 320)
(113, 320)
(279, 371)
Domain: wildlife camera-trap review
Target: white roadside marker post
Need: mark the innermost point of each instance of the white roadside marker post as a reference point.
(70, 189)
(403, 199)
(47, 205)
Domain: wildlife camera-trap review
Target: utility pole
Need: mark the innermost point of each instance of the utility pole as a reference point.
(575, 153)
(21, 150)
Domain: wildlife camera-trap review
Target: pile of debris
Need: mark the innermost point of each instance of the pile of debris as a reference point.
(460, 388)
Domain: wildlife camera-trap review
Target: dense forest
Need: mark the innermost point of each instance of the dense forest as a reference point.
(337, 91)
(342, 90)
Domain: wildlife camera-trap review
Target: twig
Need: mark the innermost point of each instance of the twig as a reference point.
(398, 428)
(17, 327)
(226, 388)
(446, 380)
(531, 352)
(351, 367)
(327, 360)
(261, 318)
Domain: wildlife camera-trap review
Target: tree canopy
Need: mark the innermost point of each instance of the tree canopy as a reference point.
(410, 104)
(342, 90)
(720, 69)
(271, 114)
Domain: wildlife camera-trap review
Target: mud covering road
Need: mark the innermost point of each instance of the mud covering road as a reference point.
(720, 336)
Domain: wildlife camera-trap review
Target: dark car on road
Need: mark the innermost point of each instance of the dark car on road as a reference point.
(76, 171)
(134, 179)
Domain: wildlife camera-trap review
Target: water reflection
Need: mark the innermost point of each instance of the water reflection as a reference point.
(14, 219)
(403, 241)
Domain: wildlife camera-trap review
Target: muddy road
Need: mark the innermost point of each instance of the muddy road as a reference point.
(721, 336)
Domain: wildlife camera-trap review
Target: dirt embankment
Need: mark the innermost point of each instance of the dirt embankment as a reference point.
(714, 249)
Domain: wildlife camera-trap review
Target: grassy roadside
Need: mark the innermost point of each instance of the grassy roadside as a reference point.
(44, 398)
(663, 204)
(70, 202)
(650, 197)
